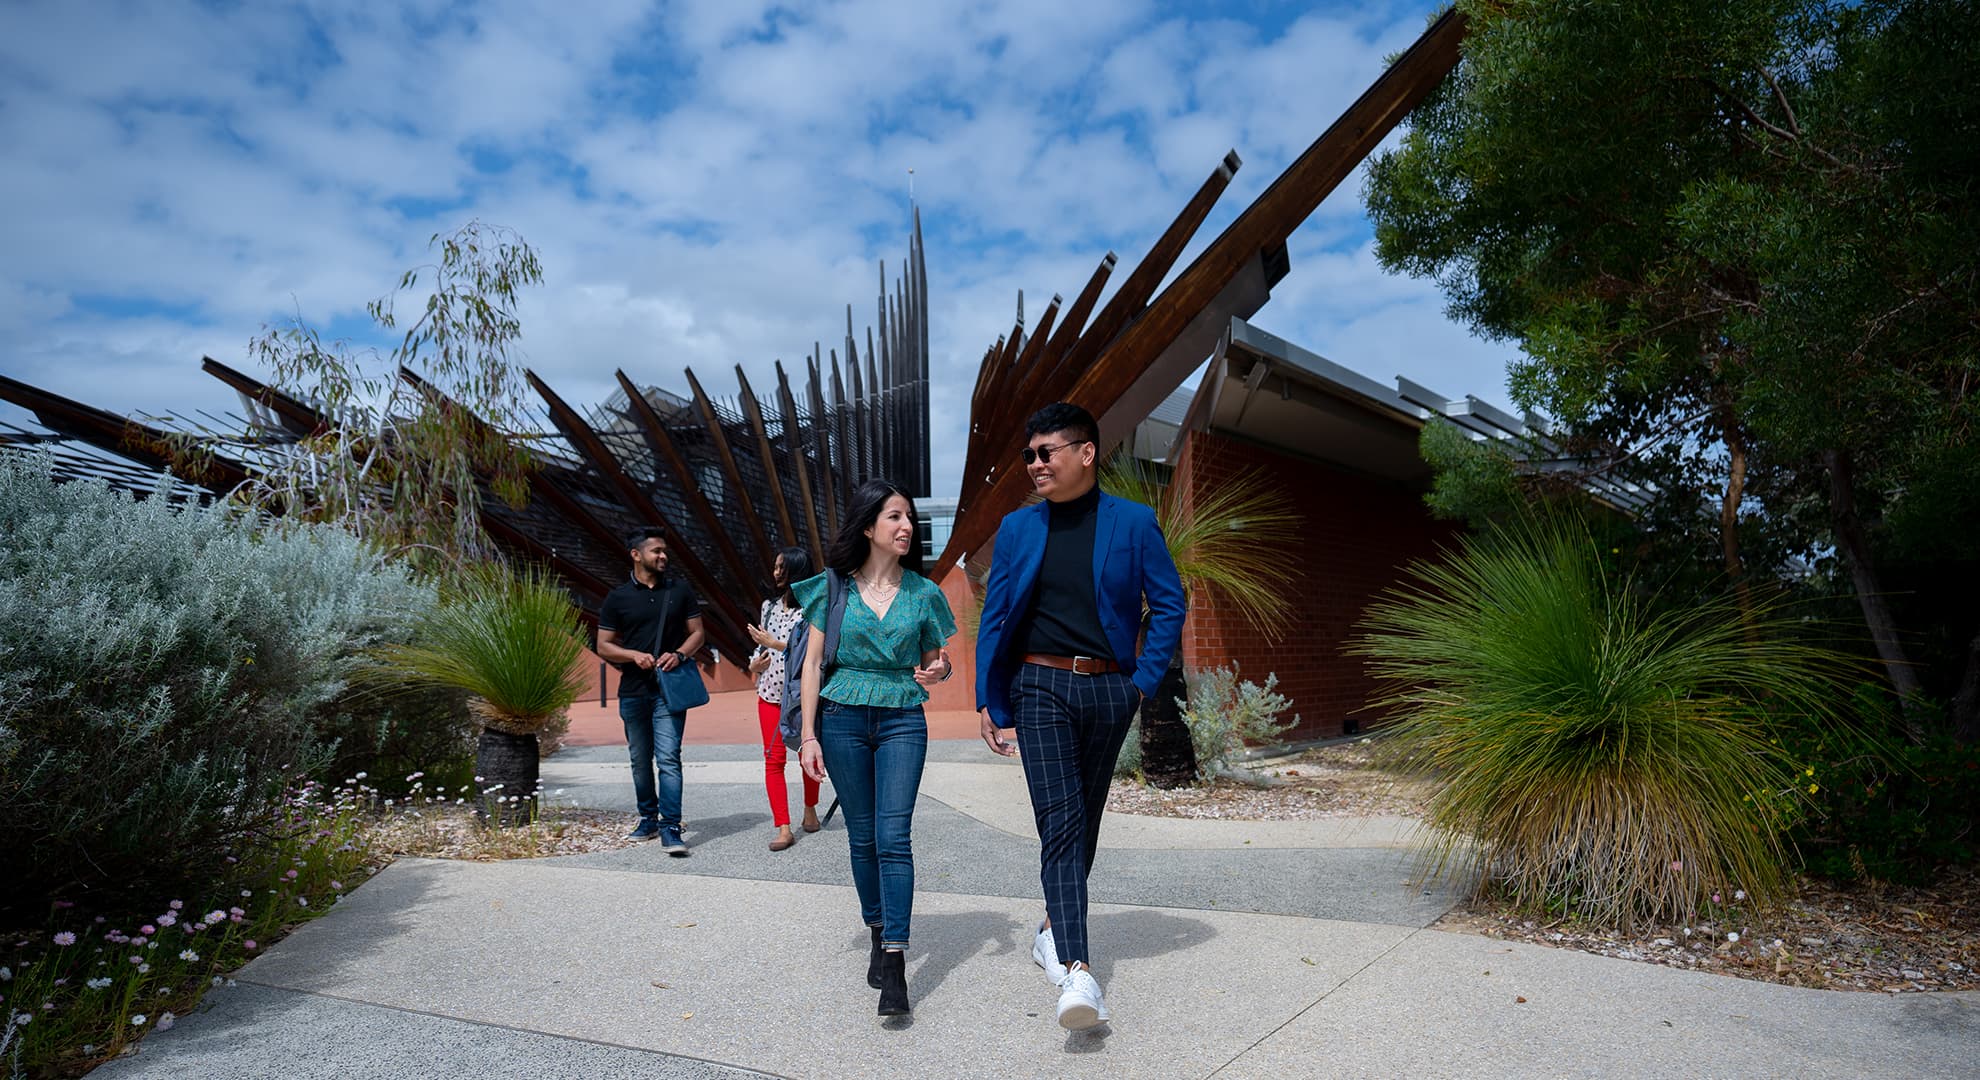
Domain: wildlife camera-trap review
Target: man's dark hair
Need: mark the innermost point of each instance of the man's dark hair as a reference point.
(848, 550)
(1076, 422)
(637, 538)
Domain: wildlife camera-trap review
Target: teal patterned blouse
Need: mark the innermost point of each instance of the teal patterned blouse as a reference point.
(877, 656)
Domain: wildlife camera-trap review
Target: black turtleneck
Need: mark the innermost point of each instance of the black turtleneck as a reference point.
(1064, 619)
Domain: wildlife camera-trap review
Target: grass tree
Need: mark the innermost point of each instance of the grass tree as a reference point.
(1591, 750)
(1235, 538)
(513, 642)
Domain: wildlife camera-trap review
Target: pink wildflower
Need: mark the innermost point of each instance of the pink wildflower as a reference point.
(249, 944)
(177, 905)
(65, 938)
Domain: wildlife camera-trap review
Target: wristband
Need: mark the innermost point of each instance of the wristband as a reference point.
(810, 741)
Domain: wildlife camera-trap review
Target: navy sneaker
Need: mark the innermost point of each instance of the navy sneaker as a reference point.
(671, 842)
(648, 829)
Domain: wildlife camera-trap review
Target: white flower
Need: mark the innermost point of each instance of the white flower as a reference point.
(1733, 937)
(138, 1020)
(188, 955)
(98, 984)
(6, 974)
(1739, 894)
(217, 980)
(165, 1022)
(22, 1019)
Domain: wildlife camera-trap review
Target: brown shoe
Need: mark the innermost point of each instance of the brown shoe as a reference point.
(811, 819)
(784, 839)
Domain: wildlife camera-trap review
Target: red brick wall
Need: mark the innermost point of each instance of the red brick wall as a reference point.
(1360, 532)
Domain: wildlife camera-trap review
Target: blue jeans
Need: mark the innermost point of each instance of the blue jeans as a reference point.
(874, 756)
(653, 735)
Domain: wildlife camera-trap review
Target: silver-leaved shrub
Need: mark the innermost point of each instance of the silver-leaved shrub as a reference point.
(1224, 713)
(163, 667)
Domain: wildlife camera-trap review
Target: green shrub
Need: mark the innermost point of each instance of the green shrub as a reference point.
(1591, 752)
(162, 665)
(1128, 764)
(1223, 714)
(1885, 808)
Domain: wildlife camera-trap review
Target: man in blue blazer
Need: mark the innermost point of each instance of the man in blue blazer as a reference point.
(1056, 661)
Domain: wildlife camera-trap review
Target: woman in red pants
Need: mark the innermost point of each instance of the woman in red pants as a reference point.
(771, 631)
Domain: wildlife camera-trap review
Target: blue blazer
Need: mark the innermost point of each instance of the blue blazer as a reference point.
(1130, 562)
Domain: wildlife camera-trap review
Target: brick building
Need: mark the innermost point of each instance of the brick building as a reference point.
(1344, 448)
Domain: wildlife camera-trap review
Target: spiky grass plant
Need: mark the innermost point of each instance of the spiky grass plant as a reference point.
(1592, 750)
(511, 640)
(1237, 537)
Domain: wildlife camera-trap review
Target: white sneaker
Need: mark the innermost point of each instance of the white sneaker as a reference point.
(1081, 1005)
(1045, 953)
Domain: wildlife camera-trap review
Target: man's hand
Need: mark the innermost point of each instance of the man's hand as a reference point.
(667, 661)
(645, 660)
(1001, 741)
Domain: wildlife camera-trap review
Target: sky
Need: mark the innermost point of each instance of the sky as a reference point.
(707, 182)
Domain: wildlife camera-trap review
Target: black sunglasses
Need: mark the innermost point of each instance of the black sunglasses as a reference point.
(1044, 453)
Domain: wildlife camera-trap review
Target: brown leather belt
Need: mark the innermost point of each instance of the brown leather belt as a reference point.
(1078, 665)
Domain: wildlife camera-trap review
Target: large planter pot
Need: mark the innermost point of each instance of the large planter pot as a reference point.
(507, 767)
(1168, 758)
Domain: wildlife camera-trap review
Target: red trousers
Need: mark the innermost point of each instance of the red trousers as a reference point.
(767, 716)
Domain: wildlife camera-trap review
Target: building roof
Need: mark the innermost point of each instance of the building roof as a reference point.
(1265, 389)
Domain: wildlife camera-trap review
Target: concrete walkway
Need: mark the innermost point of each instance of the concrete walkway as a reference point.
(1228, 949)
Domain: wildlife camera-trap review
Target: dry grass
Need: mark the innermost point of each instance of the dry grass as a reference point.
(1332, 781)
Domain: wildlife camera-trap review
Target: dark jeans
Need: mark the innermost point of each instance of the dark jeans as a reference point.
(653, 736)
(874, 756)
(1070, 729)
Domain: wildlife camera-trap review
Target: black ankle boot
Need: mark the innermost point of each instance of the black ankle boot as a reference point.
(873, 961)
(893, 984)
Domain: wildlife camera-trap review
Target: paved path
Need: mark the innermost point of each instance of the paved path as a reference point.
(1267, 950)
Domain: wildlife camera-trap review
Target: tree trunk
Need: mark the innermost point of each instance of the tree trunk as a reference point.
(1855, 550)
(1966, 703)
(1729, 524)
(1168, 758)
(505, 769)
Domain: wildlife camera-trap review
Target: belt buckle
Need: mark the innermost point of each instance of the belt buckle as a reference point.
(1079, 665)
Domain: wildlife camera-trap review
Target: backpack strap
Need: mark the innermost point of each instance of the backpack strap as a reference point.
(836, 589)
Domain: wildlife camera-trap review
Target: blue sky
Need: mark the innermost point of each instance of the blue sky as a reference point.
(708, 183)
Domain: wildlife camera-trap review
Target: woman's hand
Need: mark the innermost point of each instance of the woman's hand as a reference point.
(757, 634)
(934, 671)
(759, 663)
(812, 760)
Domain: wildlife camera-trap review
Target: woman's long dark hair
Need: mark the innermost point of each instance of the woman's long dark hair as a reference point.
(797, 567)
(849, 548)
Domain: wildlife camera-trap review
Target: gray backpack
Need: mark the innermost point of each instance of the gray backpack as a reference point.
(790, 720)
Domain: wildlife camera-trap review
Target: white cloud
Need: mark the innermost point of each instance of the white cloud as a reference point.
(709, 183)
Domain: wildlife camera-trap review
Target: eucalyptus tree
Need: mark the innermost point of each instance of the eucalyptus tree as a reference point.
(1736, 239)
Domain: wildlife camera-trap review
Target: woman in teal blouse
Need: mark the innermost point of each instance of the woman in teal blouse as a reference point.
(863, 723)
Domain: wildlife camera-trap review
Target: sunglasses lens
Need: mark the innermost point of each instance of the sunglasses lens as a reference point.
(1029, 455)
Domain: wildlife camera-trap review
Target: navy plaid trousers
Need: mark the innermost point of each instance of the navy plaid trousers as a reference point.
(1069, 728)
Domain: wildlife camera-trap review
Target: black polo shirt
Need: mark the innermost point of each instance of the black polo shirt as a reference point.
(1064, 619)
(634, 612)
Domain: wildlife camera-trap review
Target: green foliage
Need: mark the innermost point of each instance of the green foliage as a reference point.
(512, 641)
(163, 666)
(1237, 537)
(90, 988)
(1475, 482)
(1224, 713)
(1591, 750)
(1733, 237)
(402, 460)
(1128, 764)
(1885, 809)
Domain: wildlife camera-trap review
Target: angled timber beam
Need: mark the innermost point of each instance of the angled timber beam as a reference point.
(745, 504)
(664, 450)
(126, 438)
(1122, 355)
(297, 418)
(753, 413)
(821, 430)
(795, 457)
(637, 500)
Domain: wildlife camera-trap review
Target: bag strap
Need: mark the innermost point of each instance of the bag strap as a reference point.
(835, 615)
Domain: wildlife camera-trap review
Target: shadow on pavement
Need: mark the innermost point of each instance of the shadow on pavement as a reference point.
(1141, 935)
(955, 937)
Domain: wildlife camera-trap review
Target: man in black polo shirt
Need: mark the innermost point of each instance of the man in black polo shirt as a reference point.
(653, 621)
